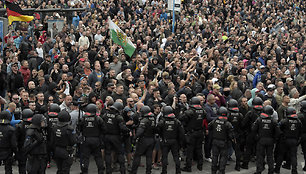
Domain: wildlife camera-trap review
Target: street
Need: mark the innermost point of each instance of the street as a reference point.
(75, 169)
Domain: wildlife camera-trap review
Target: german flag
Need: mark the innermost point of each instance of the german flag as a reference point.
(15, 13)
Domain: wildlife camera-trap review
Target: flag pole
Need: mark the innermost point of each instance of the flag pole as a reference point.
(173, 16)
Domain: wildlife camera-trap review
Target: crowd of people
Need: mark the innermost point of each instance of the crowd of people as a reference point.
(220, 52)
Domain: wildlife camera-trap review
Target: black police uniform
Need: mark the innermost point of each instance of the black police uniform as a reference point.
(8, 143)
(291, 128)
(247, 123)
(35, 146)
(171, 131)
(222, 133)
(145, 145)
(63, 141)
(114, 128)
(193, 119)
(91, 126)
(267, 130)
(52, 119)
(235, 118)
(21, 130)
(302, 117)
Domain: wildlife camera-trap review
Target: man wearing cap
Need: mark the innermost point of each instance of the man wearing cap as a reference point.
(15, 80)
(257, 77)
(288, 85)
(220, 101)
(250, 74)
(269, 96)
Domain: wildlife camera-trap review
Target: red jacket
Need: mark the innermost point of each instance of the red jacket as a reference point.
(25, 74)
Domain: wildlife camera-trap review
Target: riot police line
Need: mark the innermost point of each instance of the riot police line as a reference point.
(39, 138)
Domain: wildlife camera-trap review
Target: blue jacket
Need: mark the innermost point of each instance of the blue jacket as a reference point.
(211, 112)
(256, 79)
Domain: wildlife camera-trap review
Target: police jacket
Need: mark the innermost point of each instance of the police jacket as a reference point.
(91, 125)
(7, 140)
(35, 142)
(291, 128)
(62, 135)
(21, 130)
(170, 128)
(221, 129)
(147, 127)
(302, 118)
(249, 119)
(267, 130)
(235, 118)
(193, 118)
(114, 123)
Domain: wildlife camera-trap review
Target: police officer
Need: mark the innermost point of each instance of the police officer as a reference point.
(63, 141)
(91, 126)
(114, 128)
(235, 118)
(267, 130)
(171, 131)
(302, 117)
(145, 133)
(52, 117)
(8, 143)
(291, 129)
(21, 129)
(222, 133)
(247, 122)
(193, 120)
(35, 145)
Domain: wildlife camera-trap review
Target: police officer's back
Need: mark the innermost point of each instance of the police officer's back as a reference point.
(172, 133)
(63, 141)
(193, 120)
(222, 133)
(91, 127)
(8, 143)
(21, 129)
(302, 117)
(35, 145)
(114, 128)
(235, 118)
(145, 133)
(247, 122)
(267, 130)
(291, 129)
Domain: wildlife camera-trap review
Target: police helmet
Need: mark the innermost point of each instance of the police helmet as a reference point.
(167, 111)
(222, 111)
(303, 106)
(37, 119)
(54, 110)
(257, 103)
(27, 113)
(5, 117)
(64, 116)
(117, 106)
(145, 110)
(195, 101)
(91, 109)
(291, 112)
(233, 105)
(267, 111)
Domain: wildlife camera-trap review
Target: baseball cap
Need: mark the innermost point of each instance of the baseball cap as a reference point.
(289, 79)
(271, 87)
(110, 84)
(262, 66)
(82, 59)
(69, 74)
(249, 67)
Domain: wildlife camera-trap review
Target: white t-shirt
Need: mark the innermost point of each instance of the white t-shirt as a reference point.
(40, 52)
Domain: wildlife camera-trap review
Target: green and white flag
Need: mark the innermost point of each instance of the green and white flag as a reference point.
(120, 38)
